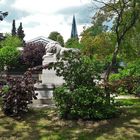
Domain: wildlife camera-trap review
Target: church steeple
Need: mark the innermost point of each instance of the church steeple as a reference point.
(74, 33)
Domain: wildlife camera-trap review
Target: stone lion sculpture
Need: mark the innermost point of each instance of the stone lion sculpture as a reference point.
(54, 48)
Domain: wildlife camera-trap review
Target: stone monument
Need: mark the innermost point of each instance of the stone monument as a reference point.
(48, 77)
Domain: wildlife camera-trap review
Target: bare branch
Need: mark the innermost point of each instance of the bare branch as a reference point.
(109, 4)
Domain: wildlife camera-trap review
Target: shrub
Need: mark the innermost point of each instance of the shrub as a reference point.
(81, 96)
(78, 70)
(16, 94)
(127, 81)
(8, 56)
(83, 103)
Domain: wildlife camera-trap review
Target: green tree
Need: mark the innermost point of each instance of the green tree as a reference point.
(99, 46)
(9, 53)
(130, 49)
(14, 28)
(124, 15)
(60, 40)
(8, 56)
(97, 26)
(73, 43)
(10, 40)
(95, 39)
(20, 32)
(53, 35)
(56, 37)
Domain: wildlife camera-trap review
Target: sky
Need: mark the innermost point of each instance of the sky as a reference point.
(40, 17)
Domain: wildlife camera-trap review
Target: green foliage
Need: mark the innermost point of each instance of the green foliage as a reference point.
(56, 37)
(99, 46)
(132, 69)
(8, 56)
(12, 41)
(20, 32)
(5, 89)
(60, 40)
(88, 47)
(81, 96)
(124, 15)
(78, 70)
(130, 47)
(73, 43)
(126, 85)
(128, 102)
(53, 35)
(16, 94)
(97, 25)
(128, 78)
(83, 102)
(124, 22)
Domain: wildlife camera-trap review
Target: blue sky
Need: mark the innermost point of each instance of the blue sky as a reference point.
(40, 17)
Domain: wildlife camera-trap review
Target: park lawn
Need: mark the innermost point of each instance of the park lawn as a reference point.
(44, 124)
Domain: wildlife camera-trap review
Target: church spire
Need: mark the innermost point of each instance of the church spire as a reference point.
(74, 33)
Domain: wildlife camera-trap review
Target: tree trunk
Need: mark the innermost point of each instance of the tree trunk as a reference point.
(108, 71)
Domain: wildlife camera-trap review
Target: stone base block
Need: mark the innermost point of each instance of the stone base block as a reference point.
(45, 95)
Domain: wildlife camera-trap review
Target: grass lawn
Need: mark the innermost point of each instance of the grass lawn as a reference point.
(44, 124)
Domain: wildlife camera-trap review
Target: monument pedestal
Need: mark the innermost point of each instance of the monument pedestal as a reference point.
(49, 81)
(45, 95)
(49, 76)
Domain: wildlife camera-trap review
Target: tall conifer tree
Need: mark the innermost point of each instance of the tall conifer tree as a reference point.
(20, 32)
(14, 28)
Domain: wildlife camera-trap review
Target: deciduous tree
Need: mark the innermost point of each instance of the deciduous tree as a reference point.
(56, 37)
(124, 15)
(32, 54)
(9, 53)
(73, 43)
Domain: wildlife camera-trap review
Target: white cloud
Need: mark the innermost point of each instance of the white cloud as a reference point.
(46, 6)
(47, 25)
(43, 13)
(2, 1)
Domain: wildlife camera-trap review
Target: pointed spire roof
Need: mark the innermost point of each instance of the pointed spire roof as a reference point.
(74, 33)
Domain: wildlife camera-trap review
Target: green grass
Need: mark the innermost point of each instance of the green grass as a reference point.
(44, 124)
(128, 102)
